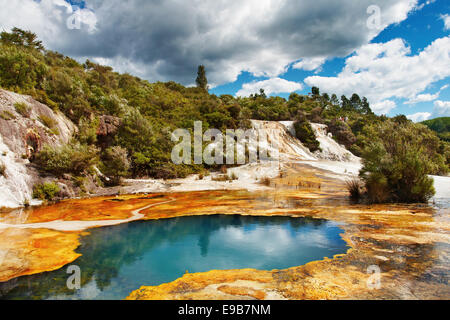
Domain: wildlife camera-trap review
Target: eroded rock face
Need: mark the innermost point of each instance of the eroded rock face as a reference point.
(107, 129)
(108, 125)
(22, 135)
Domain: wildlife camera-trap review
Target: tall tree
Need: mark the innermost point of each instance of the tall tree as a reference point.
(345, 103)
(366, 106)
(334, 99)
(315, 91)
(262, 93)
(356, 102)
(22, 38)
(201, 80)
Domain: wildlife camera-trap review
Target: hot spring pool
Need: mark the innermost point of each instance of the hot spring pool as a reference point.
(117, 260)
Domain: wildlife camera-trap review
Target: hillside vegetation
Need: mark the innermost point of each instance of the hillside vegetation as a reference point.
(441, 126)
(146, 113)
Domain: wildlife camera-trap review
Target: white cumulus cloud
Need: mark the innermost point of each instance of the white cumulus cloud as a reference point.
(309, 64)
(419, 116)
(383, 107)
(423, 98)
(382, 71)
(274, 85)
(441, 109)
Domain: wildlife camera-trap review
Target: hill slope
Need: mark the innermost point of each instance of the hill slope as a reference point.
(441, 126)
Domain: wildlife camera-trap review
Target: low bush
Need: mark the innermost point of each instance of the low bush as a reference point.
(6, 115)
(342, 133)
(115, 164)
(396, 165)
(72, 158)
(47, 121)
(22, 109)
(46, 191)
(172, 171)
(355, 187)
(305, 133)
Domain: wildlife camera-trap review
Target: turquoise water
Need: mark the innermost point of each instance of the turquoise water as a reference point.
(117, 260)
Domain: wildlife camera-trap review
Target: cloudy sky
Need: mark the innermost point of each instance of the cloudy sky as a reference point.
(395, 52)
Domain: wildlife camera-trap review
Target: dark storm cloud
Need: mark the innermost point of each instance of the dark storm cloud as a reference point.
(168, 39)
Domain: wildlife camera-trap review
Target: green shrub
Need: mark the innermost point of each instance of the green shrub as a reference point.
(342, 133)
(72, 158)
(171, 171)
(396, 165)
(47, 191)
(80, 182)
(305, 133)
(441, 126)
(54, 131)
(47, 121)
(87, 130)
(6, 115)
(115, 163)
(354, 187)
(22, 109)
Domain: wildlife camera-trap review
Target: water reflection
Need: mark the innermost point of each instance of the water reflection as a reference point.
(117, 260)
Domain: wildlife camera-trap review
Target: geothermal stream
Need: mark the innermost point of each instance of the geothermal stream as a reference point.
(61, 225)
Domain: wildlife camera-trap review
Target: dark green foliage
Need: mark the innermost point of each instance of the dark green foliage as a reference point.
(115, 163)
(396, 164)
(441, 126)
(21, 38)
(87, 131)
(342, 133)
(305, 133)
(73, 158)
(315, 91)
(201, 80)
(47, 191)
(355, 187)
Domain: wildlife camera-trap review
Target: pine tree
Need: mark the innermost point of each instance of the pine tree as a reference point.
(201, 80)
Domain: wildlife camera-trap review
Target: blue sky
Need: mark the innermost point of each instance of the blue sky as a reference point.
(419, 30)
(402, 66)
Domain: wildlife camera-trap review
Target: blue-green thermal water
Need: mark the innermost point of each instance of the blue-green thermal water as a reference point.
(117, 260)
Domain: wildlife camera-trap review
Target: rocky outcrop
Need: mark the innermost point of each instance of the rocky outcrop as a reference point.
(107, 129)
(330, 149)
(108, 125)
(25, 126)
(290, 147)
